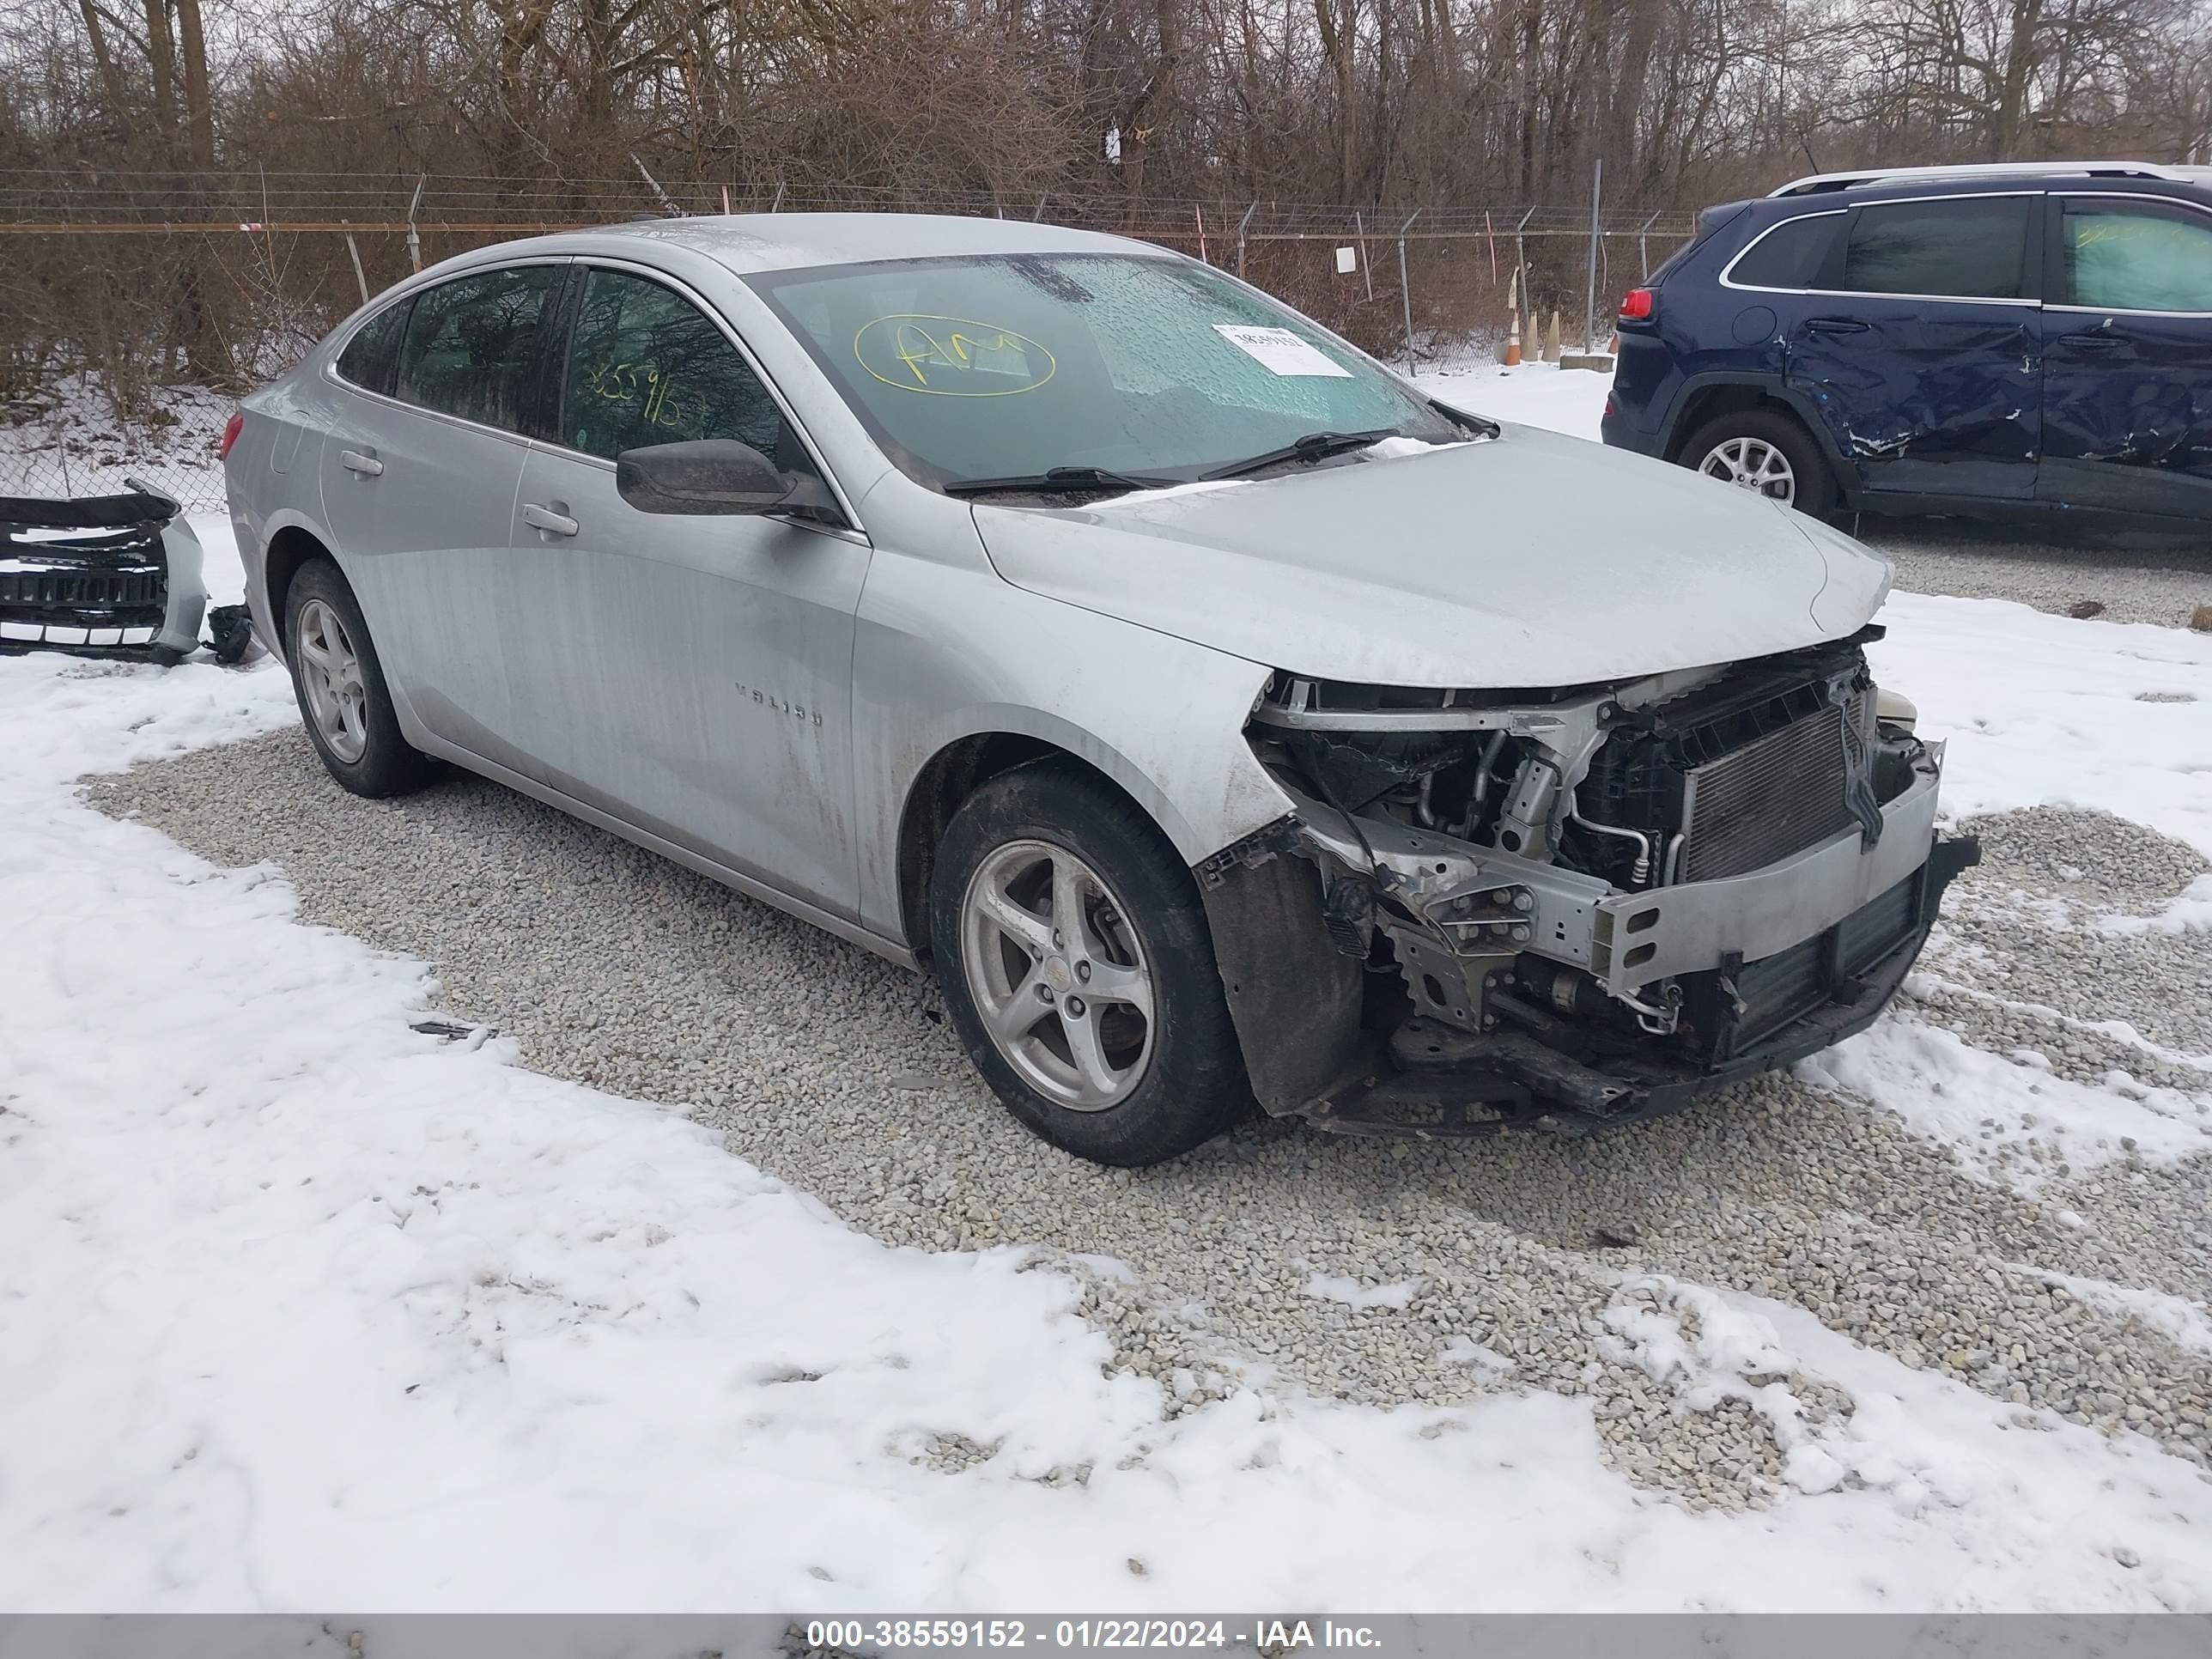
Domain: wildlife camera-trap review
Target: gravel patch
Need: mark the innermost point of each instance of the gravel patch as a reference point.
(2128, 578)
(1446, 1270)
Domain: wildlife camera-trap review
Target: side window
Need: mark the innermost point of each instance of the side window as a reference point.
(1791, 255)
(649, 368)
(1974, 249)
(2137, 256)
(369, 356)
(469, 344)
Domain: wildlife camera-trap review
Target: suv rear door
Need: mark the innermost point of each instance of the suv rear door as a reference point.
(1920, 343)
(2127, 404)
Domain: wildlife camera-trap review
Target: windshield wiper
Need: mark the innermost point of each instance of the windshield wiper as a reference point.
(1058, 480)
(1314, 447)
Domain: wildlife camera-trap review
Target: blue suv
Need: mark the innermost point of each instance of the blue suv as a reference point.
(1980, 340)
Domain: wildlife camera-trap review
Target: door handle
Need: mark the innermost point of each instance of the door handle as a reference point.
(353, 461)
(545, 519)
(2090, 342)
(1835, 325)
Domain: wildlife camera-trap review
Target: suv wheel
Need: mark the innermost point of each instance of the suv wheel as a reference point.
(1073, 949)
(1759, 450)
(340, 685)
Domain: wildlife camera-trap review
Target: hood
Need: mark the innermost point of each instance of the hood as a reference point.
(1533, 560)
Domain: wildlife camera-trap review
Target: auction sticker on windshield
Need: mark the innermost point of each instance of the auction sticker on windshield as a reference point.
(1279, 351)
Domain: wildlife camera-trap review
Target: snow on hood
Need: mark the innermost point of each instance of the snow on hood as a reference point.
(1534, 560)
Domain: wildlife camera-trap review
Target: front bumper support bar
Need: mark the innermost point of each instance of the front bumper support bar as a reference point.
(1435, 1081)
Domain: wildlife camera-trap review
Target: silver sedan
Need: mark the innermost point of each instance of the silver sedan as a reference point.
(1220, 717)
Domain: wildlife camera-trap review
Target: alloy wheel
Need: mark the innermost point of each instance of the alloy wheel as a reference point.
(330, 674)
(1753, 464)
(1058, 975)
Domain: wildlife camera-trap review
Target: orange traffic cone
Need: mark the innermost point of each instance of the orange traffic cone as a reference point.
(1512, 359)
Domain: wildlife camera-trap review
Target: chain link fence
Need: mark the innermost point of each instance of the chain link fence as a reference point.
(149, 298)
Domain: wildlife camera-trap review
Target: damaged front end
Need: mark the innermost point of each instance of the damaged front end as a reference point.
(106, 575)
(1573, 907)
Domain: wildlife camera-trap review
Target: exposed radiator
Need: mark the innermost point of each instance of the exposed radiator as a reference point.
(1776, 795)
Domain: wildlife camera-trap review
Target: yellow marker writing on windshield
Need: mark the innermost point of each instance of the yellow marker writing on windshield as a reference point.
(950, 357)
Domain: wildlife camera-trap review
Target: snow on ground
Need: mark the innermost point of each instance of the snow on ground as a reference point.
(65, 439)
(1985, 1105)
(300, 1308)
(1568, 400)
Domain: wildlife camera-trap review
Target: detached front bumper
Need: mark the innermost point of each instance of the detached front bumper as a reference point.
(103, 575)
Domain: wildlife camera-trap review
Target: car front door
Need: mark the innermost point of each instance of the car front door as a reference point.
(2127, 395)
(1920, 346)
(420, 469)
(688, 675)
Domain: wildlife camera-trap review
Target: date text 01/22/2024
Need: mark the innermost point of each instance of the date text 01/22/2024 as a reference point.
(1265, 1636)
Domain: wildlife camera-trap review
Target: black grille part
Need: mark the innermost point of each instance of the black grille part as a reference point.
(118, 580)
(82, 589)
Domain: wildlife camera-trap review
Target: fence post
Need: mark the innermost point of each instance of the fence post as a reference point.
(1366, 264)
(1241, 223)
(414, 236)
(1589, 294)
(1405, 286)
(1643, 245)
(354, 249)
(1520, 263)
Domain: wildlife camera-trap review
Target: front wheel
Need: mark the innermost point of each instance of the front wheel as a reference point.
(1073, 951)
(1768, 454)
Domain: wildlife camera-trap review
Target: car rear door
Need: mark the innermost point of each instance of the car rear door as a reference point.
(2127, 398)
(1921, 346)
(690, 675)
(419, 478)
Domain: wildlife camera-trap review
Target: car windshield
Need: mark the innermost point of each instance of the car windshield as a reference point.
(1149, 368)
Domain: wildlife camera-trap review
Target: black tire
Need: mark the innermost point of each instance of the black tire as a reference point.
(1192, 1085)
(388, 765)
(1815, 491)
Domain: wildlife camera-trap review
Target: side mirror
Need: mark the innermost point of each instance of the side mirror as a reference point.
(711, 475)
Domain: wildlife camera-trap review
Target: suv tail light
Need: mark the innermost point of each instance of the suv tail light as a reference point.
(1639, 305)
(231, 428)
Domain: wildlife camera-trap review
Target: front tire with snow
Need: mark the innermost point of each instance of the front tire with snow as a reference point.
(1074, 953)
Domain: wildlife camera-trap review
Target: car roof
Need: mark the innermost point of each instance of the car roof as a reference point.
(749, 242)
(1824, 182)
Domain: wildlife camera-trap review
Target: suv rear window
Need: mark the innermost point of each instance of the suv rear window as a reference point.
(1791, 255)
(2137, 256)
(1970, 249)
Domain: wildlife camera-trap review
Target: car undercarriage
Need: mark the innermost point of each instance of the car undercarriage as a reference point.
(1575, 907)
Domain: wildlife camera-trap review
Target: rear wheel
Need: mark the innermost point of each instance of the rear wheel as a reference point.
(1769, 454)
(340, 685)
(1073, 951)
